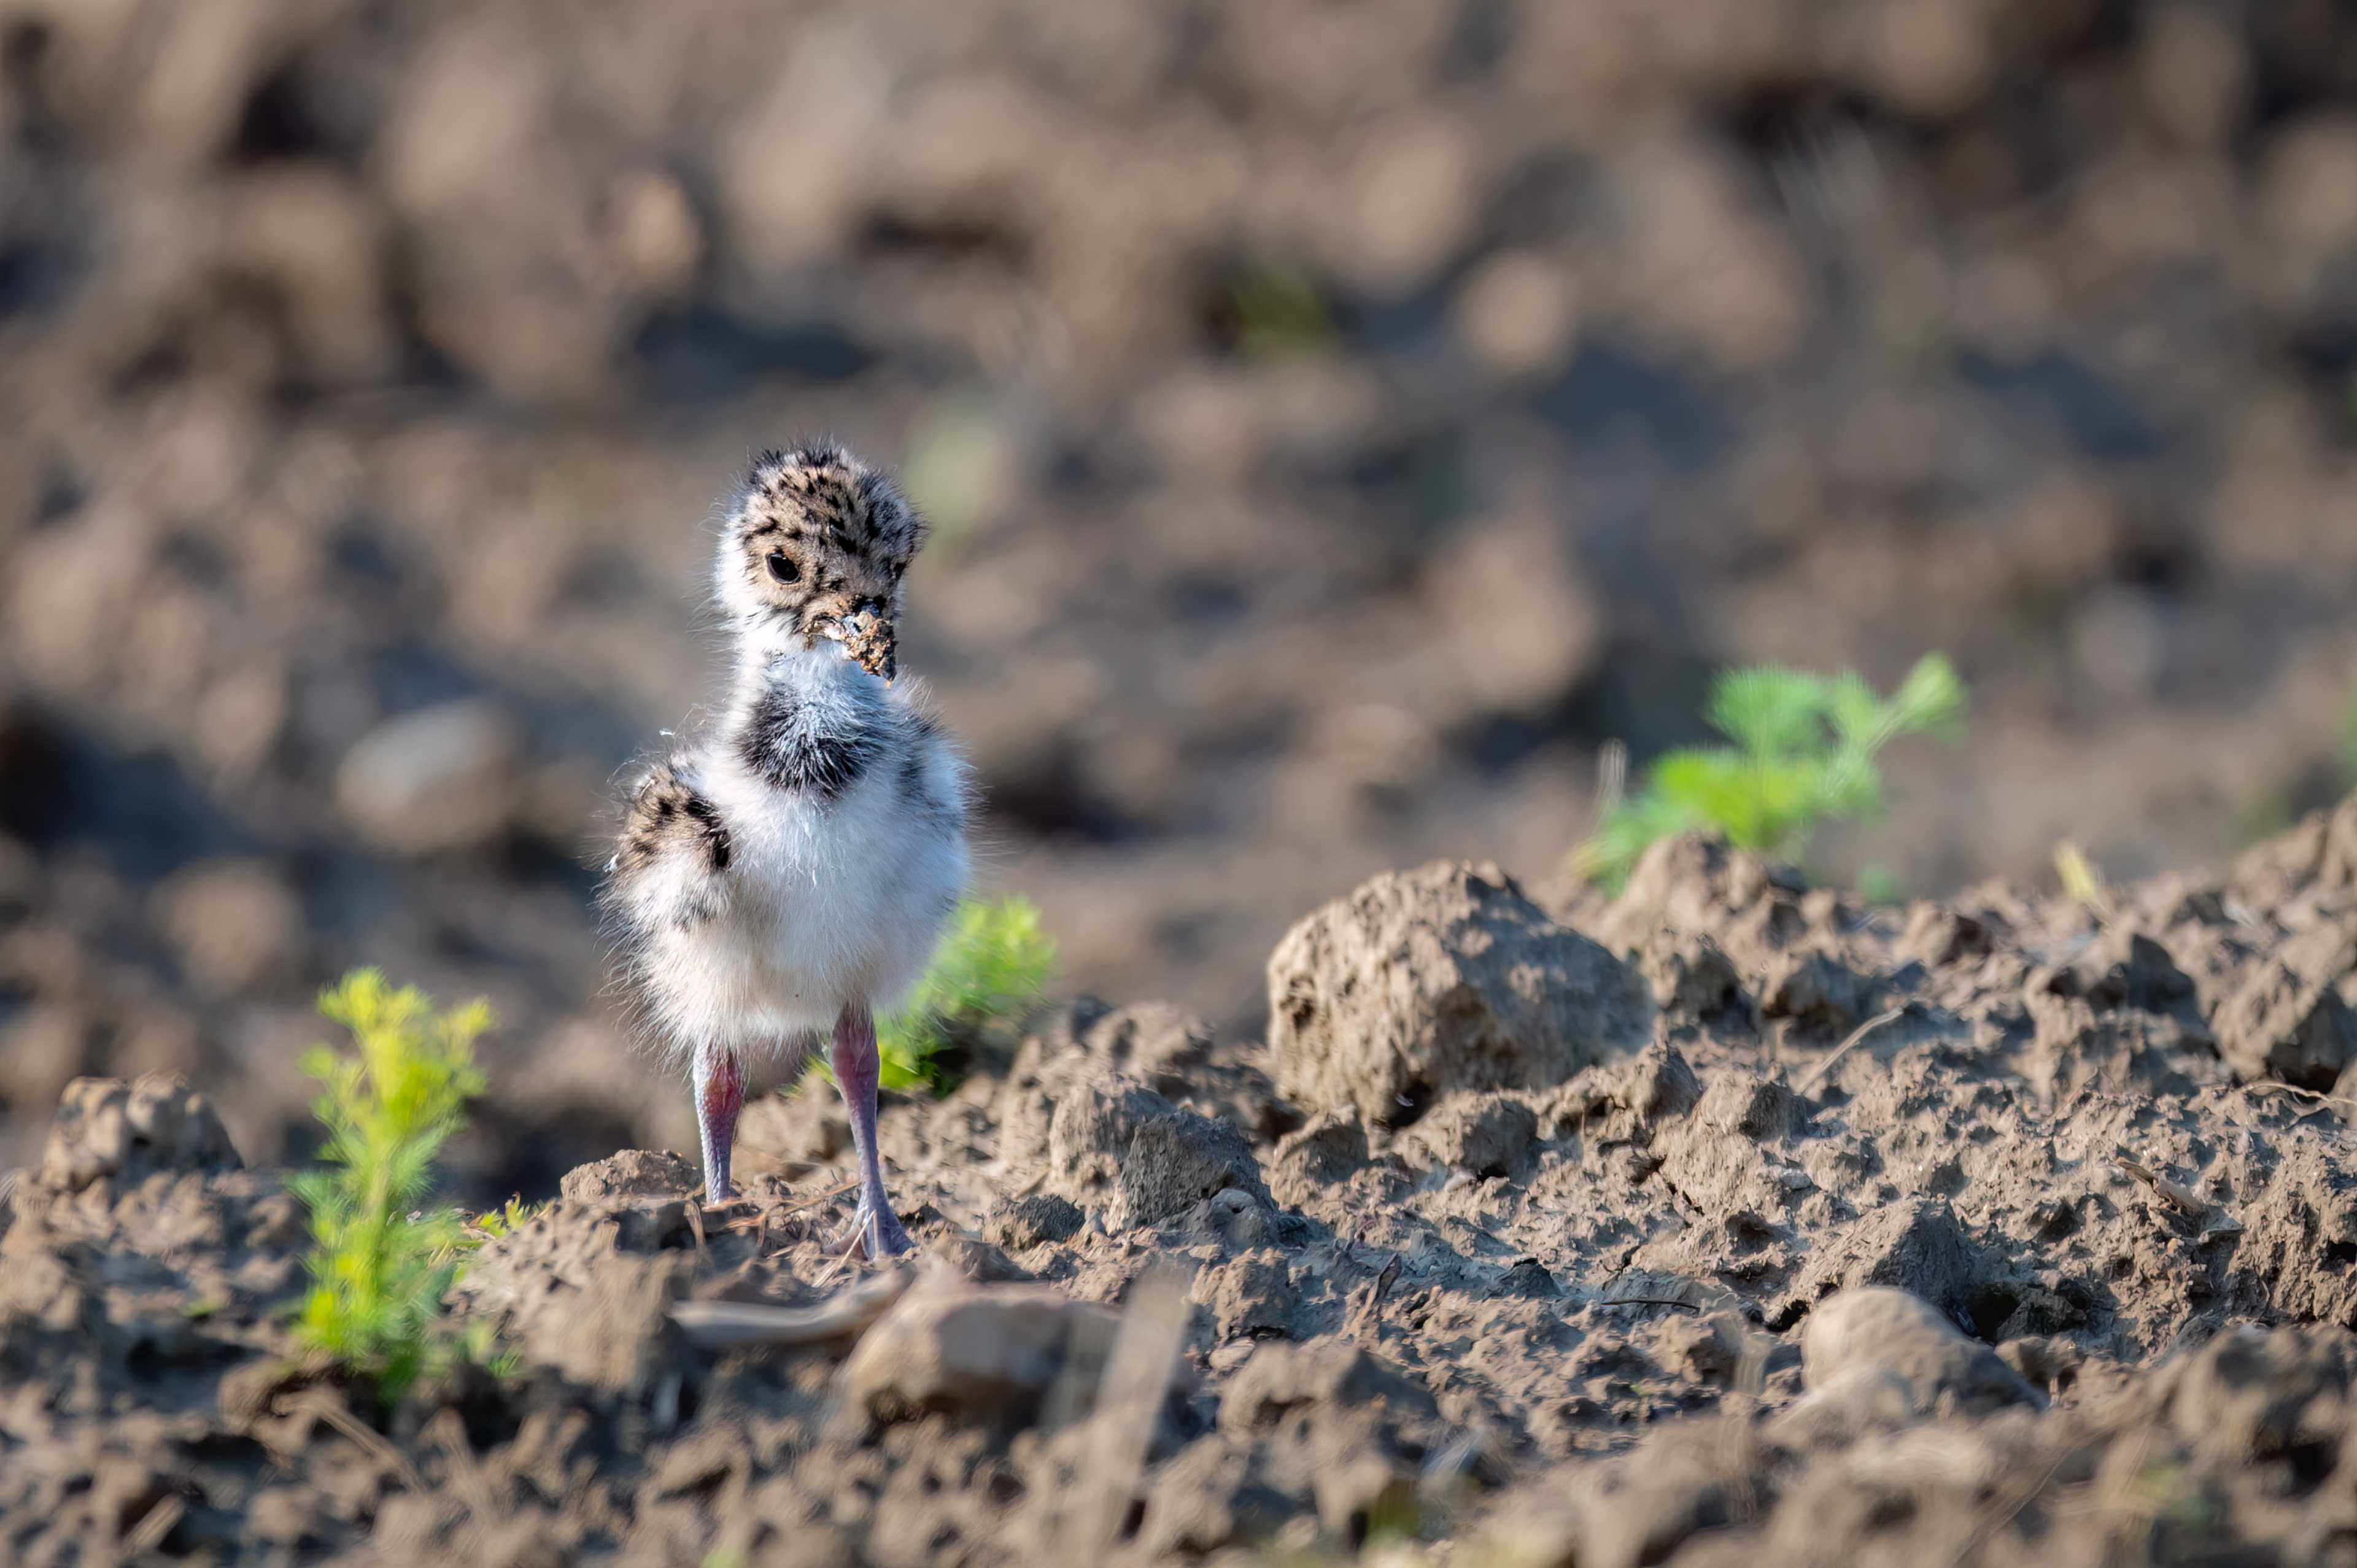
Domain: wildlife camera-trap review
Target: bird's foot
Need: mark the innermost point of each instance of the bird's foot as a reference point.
(875, 1233)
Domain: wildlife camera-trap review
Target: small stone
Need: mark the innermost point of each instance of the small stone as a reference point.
(440, 778)
(979, 1351)
(1902, 1335)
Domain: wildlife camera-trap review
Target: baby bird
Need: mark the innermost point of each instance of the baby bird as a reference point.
(790, 875)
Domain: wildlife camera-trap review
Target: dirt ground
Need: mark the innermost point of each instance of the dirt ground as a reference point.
(1341, 420)
(1726, 1222)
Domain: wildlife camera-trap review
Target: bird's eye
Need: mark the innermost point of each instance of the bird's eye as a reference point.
(783, 568)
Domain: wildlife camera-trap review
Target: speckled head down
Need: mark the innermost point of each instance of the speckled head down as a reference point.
(815, 548)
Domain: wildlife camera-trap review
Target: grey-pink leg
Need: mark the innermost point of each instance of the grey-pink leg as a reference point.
(875, 1230)
(719, 1096)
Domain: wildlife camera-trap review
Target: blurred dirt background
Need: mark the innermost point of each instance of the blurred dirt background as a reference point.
(1341, 419)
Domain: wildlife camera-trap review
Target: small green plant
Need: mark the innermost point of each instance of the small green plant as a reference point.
(379, 1269)
(2082, 879)
(506, 1220)
(1804, 752)
(1273, 311)
(990, 968)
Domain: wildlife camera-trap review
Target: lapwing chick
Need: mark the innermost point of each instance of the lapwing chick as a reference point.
(787, 875)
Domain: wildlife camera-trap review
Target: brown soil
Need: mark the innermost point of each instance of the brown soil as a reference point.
(1342, 419)
(1631, 1312)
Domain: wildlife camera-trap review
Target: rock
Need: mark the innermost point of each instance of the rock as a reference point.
(1318, 1158)
(1486, 1135)
(1251, 1296)
(1900, 1334)
(440, 778)
(1446, 978)
(980, 1352)
(633, 1173)
(105, 1127)
(1178, 1159)
(2286, 1020)
(1026, 1222)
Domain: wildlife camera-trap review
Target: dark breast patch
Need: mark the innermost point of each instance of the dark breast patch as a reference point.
(791, 747)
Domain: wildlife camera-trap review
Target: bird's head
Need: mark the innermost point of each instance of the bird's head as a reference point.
(815, 549)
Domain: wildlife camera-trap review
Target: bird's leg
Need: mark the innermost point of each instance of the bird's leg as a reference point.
(875, 1230)
(719, 1096)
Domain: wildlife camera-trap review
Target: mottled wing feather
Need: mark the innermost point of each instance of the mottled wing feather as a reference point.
(674, 850)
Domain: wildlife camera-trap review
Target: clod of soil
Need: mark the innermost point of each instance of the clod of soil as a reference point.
(1446, 978)
(2013, 1270)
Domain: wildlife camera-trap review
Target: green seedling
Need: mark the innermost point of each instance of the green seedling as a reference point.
(1273, 311)
(991, 967)
(2082, 879)
(505, 1220)
(379, 1264)
(1804, 752)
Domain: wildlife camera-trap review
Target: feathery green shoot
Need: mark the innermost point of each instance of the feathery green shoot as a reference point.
(379, 1270)
(1804, 752)
(492, 1224)
(991, 966)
